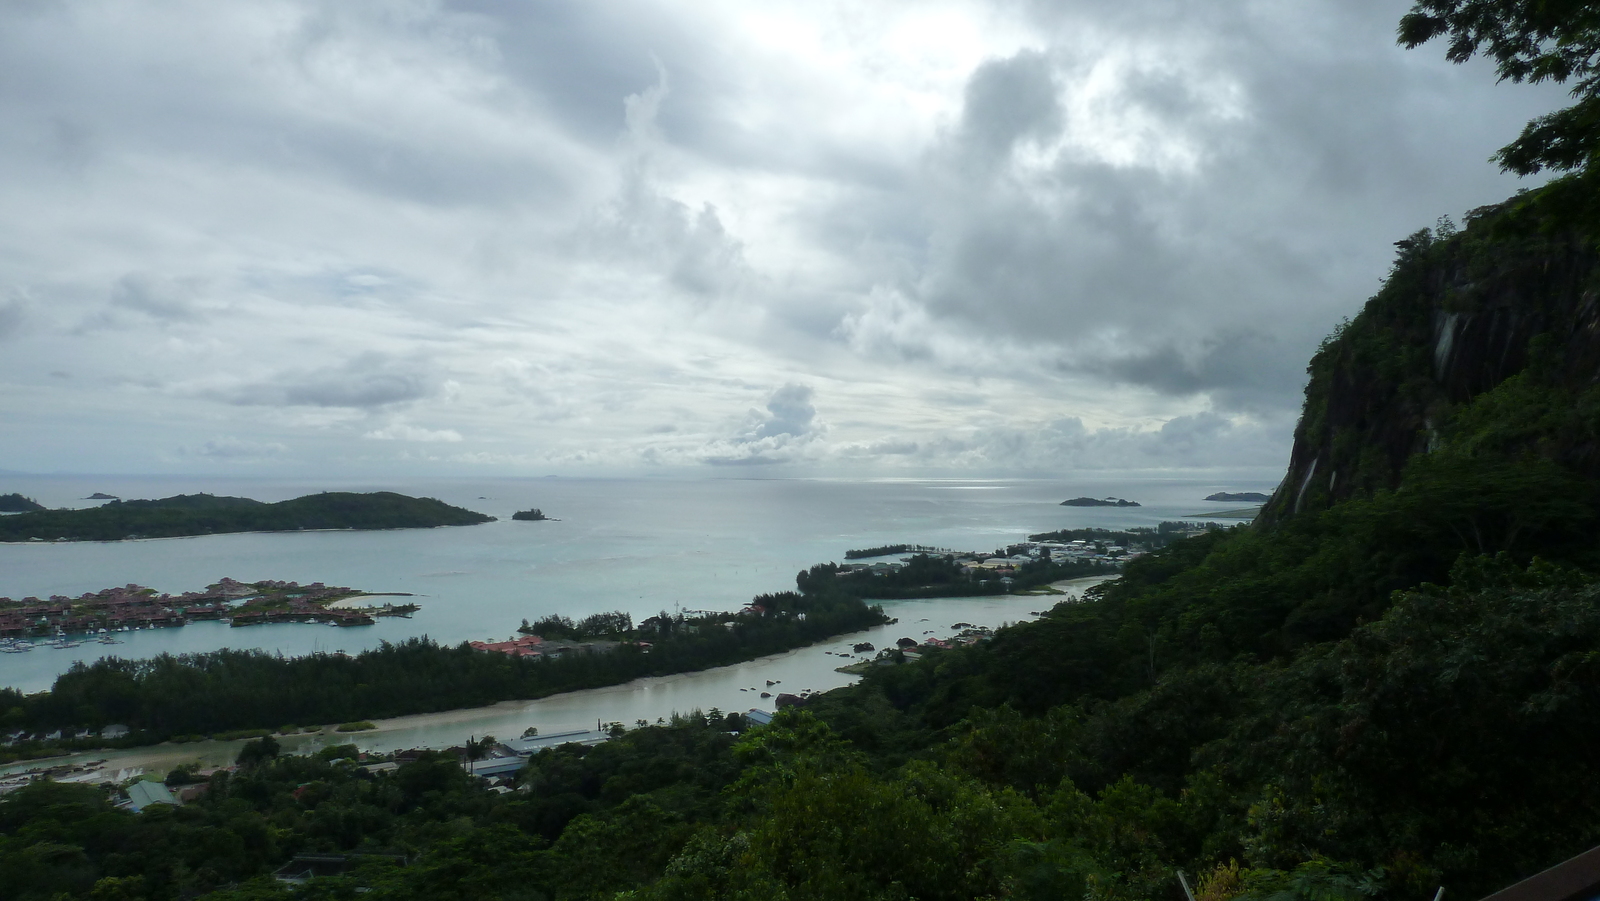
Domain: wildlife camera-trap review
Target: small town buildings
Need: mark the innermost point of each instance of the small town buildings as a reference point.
(522, 646)
(144, 793)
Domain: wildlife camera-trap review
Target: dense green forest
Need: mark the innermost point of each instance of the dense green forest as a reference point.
(205, 514)
(593, 821)
(1388, 685)
(225, 691)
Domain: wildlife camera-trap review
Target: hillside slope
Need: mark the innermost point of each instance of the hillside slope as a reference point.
(1426, 363)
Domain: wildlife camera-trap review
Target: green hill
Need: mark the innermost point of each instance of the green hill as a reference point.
(16, 503)
(205, 514)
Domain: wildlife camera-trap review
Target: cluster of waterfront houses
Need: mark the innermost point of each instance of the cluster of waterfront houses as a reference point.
(136, 607)
(534, 646)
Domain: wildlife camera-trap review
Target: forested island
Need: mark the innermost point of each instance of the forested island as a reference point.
(1240, 497)
(1099, 502)
(534, 515)
(204, 514)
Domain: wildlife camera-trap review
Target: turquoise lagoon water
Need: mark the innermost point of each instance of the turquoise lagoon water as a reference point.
(619, 544)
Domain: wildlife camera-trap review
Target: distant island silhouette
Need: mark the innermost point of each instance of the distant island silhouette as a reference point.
(1099, 502)
(204, 514)
(1252, 497)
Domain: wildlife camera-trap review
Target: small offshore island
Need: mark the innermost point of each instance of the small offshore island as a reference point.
(1240, 497)
(1099, 502)
(186, 515)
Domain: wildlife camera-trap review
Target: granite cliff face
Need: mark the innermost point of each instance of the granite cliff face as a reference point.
(1483, 341)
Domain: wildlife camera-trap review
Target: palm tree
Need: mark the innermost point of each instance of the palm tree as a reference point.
(477, 749)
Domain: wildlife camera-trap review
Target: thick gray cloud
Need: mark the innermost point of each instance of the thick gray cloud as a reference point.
(1008, 100)
(482, 235)
(785, 431)
(789, 414)
(369, 380)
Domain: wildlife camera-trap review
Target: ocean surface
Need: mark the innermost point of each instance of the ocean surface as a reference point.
(638, 545)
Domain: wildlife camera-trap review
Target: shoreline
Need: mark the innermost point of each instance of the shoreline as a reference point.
(211, 752)
(557, 710)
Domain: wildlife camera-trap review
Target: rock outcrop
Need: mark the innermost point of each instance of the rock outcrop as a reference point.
(1504, 314)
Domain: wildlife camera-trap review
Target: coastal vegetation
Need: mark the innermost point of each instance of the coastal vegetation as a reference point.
(882, 551)
(205, 514)
(534, 515)
(231, 690)
(615, 624)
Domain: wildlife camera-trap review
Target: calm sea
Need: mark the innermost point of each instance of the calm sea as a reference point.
(637, 545)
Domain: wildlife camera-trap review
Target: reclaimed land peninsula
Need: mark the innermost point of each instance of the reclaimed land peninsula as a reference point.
(204, 514)
(134, 607)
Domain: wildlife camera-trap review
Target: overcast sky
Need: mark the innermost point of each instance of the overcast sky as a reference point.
(716, 238)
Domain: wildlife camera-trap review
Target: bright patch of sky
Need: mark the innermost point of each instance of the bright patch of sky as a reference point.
(793, 238)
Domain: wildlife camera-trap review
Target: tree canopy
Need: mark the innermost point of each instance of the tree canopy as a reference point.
(1529, 41)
